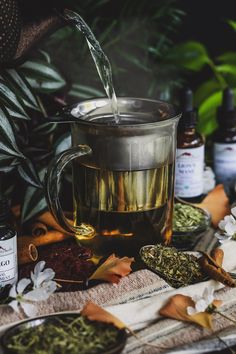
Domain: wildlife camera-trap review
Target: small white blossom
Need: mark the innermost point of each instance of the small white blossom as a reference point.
(233, 211)
(43, 278)
(201, 302)
(227, 227)
(42, 287)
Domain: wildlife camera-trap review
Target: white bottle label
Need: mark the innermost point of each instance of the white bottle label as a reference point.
(225, 163)
(189, 172)
(8, 261)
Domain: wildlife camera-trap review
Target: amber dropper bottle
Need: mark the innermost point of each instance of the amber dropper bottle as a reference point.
(224, 154)
(190, 152)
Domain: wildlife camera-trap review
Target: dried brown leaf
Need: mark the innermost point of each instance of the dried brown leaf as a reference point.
(96, 313)
(113, 269)
(176, 308)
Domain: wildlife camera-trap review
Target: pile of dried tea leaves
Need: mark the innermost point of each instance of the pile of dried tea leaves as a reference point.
(71, 335)
(176, 267)
(187, 217)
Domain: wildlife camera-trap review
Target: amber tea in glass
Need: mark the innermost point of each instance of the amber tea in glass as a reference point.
(123, 175)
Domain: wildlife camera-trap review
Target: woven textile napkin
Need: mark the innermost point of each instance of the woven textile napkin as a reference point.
(137, 299)
(140, 314)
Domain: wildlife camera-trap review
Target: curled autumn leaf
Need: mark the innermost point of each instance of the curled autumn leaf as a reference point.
(96, 313)
(176, 308)
(113, 269)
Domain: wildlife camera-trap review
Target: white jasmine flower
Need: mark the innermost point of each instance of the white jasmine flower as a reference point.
(42, 278)
(227, 227)
(201, 302)
(42, 287)
(21, 300)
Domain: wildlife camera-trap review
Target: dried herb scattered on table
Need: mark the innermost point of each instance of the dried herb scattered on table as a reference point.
(176, 267)
(187, 217)
(68, 260)
(72, 335)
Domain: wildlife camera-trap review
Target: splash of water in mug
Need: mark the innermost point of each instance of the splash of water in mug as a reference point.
(101, 61)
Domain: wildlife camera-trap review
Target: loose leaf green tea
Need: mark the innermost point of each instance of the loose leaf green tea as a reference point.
(69, 335)
(176, 267)
(187, 217)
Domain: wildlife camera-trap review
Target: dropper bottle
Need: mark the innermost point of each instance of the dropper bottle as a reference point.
(8, 246)
(224, 139)
(190, 152)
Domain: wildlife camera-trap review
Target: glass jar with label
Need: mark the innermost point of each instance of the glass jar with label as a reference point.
(190, 153)
(224, 148)
(8, 247)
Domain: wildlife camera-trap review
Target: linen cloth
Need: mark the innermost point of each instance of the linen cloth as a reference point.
(137, 299)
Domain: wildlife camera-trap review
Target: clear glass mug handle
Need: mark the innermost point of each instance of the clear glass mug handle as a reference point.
(52, 186)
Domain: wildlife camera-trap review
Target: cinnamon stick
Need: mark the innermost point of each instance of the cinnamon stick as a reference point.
(48, 220)
(50, 237)
(38, 229)
(27, 253)
(215, 271)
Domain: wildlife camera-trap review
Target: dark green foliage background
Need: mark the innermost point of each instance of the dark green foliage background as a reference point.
(140, 38)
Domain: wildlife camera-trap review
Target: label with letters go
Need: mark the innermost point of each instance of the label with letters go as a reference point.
(8, 261)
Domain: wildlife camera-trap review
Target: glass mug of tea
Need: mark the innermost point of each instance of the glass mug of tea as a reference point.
(123, 174)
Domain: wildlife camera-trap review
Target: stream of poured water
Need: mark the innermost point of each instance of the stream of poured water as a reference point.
(101, 61)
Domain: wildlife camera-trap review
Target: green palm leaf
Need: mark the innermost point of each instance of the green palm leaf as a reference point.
(34, 202)
(42, 76)
(10, 100)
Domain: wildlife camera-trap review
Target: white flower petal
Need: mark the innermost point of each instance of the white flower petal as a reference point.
(39, 267)
(201, 306)
(208, 295)
(39, 294)
(233, 211)
(46, 275)
(196, 298)
(22, 285)
(12, 292)
(191, 310)
(205, 293)
(50, 286)
(222, 224)
(14, 305)
(230, 219)
(33, 277)
(29, 309)
(230, 229)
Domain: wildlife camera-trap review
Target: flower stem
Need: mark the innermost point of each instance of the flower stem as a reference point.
(69, 281)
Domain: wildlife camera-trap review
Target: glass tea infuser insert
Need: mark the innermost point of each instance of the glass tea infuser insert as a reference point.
(123, 174)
